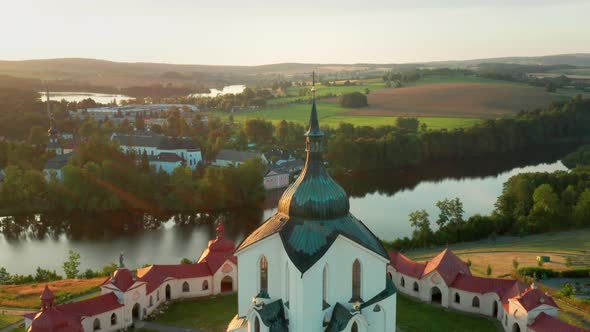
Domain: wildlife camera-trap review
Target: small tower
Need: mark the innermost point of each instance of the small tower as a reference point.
(220, 229)
(47, 298)
(52, 133)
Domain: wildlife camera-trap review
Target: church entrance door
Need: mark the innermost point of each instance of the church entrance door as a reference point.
(227, 284)
(436, 295)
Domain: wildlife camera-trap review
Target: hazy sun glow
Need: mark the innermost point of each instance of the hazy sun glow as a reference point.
(263, 31)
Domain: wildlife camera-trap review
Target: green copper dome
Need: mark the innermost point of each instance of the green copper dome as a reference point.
(314, 211)
(315, 195)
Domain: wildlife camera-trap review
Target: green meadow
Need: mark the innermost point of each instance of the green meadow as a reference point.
(332, 114)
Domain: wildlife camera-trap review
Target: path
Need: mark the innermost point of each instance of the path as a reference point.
(161, 328)
(9, 328)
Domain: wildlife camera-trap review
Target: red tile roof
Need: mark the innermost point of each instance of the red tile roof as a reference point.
(547, 323)
(447, 265)
(122, 279)
(54, 320)
(405, 265)
(155, 275)
(67, 317)
(533, 298)
(505, 288)
(92, 307)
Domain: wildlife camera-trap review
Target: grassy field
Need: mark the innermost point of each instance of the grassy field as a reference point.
(6, 320)
(27, 296)
(501, 252)
(214, 313)
(332, 114)
(441, 102)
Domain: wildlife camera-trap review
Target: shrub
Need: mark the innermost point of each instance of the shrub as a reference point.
(538, 272)
(568, 261)
(578, 273)
(515, 263)
(353, 100)
(489, 270)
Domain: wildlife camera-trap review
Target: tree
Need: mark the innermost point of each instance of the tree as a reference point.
(408, 124)
(71, 265)
(353, 100)
(489, 270)
(546, 207)
(282, 131)
(4, 276)
(568, 261)
(581, 211)
(185, 261)
(37, 135)
(567, 290)
(451, 211)
(421, 224)
(515, 264)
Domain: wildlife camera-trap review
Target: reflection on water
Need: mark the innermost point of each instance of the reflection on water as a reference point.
(102, 98)
(382, 200)
(230, 89)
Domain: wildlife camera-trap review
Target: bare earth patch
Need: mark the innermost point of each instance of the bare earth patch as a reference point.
(471, 100)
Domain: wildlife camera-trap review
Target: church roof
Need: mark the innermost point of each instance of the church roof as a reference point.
(533, 298)
(314, 211)
(448, 265)
(155, 275)
(58, 161)
(547, 323)
(273, 316)
(340, 318)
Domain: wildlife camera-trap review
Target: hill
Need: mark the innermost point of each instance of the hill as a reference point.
(124, 74)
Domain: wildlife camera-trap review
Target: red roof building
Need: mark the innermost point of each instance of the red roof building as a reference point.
(213, 273)
(508, 300)
(547, 323)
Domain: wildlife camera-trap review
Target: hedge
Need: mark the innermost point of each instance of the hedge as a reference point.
(543, 273)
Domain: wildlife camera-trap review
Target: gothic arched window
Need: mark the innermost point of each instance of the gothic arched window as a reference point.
(475, 302)
(185, 287)
(325, 284)
(356, 280)
(205, 285)
(457, 298)
(263, 275)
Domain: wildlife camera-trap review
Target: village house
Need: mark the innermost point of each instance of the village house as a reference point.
(159, 149)
(226, 157)
(127, 298)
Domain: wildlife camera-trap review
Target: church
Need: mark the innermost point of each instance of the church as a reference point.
(313, 266)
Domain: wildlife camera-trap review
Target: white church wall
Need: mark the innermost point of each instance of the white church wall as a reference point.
(384, 319)
(228, 269)
(428, 284)
(486, 302)
(249, 276)
(105, 321)
(307, 313)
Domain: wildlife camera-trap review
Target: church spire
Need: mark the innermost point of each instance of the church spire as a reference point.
(314, 123)
(52, 130)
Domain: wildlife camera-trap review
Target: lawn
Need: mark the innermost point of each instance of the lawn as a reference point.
(331, 114)
(208, 313)
(6, 320)
(27, 296)
(413, 315)
(214, 313)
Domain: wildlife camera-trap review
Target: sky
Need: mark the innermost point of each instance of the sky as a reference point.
(254, 32)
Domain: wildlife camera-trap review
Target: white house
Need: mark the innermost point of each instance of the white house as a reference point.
(159, 149)
(233, 157)
(313, 266)
(275, 178)
(126, 298)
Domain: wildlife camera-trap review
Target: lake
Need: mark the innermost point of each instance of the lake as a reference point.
(382, 200)
(103, 98)
(230, 89)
